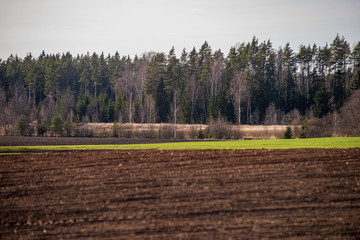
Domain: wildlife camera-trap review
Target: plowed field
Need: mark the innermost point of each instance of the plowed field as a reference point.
(238, 194)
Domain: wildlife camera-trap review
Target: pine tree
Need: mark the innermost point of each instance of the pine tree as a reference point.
(22, 125)
(162, 103)
(96, 79)
(42, 129)
(355, 57)
(32, 80)
(57, 124)
(355, 81)
(68, 125)
(174, 81)
(84, 79)
(115, 130)
(304, 128)
(155, 86)
(340, 52)
(288, 133)
(52, 76)
(81, 105)
(322, 103)
(289, 74)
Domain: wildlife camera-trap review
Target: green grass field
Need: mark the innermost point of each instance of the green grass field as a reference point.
(353, 142)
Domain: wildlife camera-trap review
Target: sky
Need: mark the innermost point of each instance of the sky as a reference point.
(139, 26)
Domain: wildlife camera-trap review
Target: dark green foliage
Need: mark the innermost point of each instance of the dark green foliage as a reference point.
(162, 103)
(304, 128)
(68, 125)
(81, 105)
(201, 134)
(57, 124)
(84, 79)
(185, 108)
(120, 105)
(22, 125)
(52, 76)
(355, 81)
(196, 88)
(339, 92)
(322, 103)
(288, 133)
(115, 130)
(42, 129)
(106, 108)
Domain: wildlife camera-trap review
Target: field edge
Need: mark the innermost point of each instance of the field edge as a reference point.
(321, 143)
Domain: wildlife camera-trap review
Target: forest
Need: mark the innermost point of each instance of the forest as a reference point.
(253, 84)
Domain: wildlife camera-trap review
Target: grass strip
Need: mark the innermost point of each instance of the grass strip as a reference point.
(353, 142)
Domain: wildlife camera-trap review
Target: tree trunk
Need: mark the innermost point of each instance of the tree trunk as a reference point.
(175, 113)
(29, 97)
(130, 109)
(239, 104)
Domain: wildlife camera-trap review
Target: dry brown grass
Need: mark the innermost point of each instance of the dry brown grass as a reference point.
(184, 131)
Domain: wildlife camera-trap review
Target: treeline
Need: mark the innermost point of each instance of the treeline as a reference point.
(253, 84)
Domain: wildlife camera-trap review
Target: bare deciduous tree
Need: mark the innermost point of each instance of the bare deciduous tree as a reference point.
(237, 87)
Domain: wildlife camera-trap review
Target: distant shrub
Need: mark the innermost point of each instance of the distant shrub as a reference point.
(304, 129)
(201, 134)
(320, 127)
(22, 125)
(83, 132)
(348, 123)
(68, 125)
(42, 129)
(288, 133)
(151, 133)
(220, 129)
(126, 131)
(166, 132)
(193, 132)
(57, 124)
(236, 134)
(180, 135)
(115, 130)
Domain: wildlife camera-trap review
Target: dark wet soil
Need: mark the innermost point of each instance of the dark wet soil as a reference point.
(218, 194)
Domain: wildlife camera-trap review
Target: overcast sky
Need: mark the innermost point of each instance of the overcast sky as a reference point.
(137, 26)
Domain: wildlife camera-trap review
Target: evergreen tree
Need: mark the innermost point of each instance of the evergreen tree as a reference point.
(288, 133)
(355, 57)
(84, 79)
(185, 108)
(52, 76)
(42, 129)
(355, 81)
(120, 106)
(96, 79)
(57, 124)
(324, 65)
(322, 103)
(194, 88)
(304, 128)
(155, 86)
(162, 103)
(68, 125)
(174, 82)
(81, 105)
(32, 81)
(22, 125)
(340, 52)
(103, 106)
(289, 75)
(116, 130)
